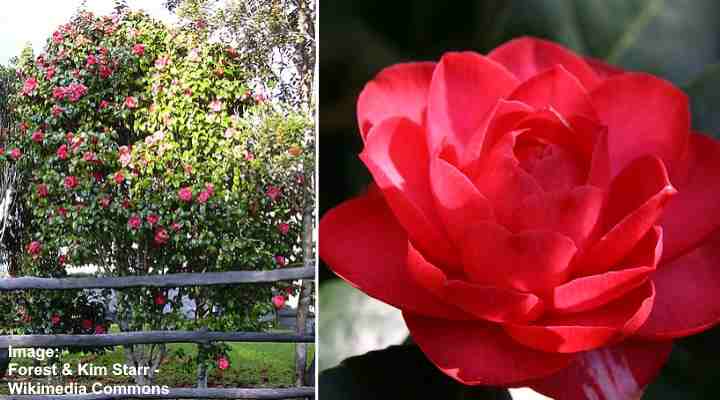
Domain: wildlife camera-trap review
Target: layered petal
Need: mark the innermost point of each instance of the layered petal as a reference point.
(397, 91)
(558, 89)
(588, 292)
(526, 57)
(694, 212)
(363, 243)
(498, 122)
(610, 373)
(458, 201)
(636, 200)
(465, 87)
(396, 154)
(572, 333)
(530, 261)
(483, 302)
(475, 352)
(687, 293)
(644, 115)
(572, 213)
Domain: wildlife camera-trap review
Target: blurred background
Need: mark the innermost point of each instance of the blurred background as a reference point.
(674, 39)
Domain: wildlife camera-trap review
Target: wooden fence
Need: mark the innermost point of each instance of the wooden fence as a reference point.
(155, 337)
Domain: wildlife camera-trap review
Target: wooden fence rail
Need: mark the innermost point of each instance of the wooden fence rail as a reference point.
(149, 337)
(167, 280)
(275, 393)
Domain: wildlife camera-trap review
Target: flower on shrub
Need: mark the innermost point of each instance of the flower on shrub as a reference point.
(71, 182)
(223, 363)
(105, 201)
(134, 222)
(100, 329)
(119, 177)
(284, 228)
(42, 190)
(37, 136)
(162, 62)
(203, 197)
(57, 37)
(57, 110)
(216, 106)
(281, 261)
(278, 301)
(131, 102)
(159, 299)
(105, 71)
(15, 154)
(152, 219)
(534, 216)
(29, 86)
(55, 319)
(34, 248)
(161, 236)
(273, 192)
(185, 194)
(138, 49)
(62, 152)
(49, 72)
(86, 324)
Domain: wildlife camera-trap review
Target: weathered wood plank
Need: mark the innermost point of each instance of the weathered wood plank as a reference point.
(213, 393)
(149, 337)
(168, 280)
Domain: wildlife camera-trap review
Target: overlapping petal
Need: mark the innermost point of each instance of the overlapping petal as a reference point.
(584, 331)
(364, 244)
(397, 91)
(480, 353)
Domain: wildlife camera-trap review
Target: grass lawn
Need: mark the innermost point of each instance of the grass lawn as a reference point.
(251, 365)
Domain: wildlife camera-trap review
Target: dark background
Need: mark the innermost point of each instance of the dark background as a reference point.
(678, 40)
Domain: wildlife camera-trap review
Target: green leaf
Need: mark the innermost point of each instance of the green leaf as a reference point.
(704, 92)
(398, 372)
(354, 323)
(672, 39)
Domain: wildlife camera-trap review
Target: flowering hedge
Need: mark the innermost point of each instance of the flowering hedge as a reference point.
(144, 151)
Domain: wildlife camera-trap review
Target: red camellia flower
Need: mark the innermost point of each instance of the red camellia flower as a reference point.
(161, 236)
(134, 222)
(105, 202)
(105, 71)
(42, 190)
(62, 211)
(57, 110)
(223, 363)
(100, 329)
(58, 92)
(86, 324)
(278, 301)
(540, 219)
(57, 37)
(34, 248)
(203, 197)
(37, 136)
(280, 261)
(62, 259)
(71, 182)
(273, 192)
(283, 228)
(55, 319)
(29, 86)
(104, 104)
(185, 194)
(159, 299)
(152, 219)
(15, 154)
(49, 72)
(138, 49)
(131, 102)
(62, 152)
(119, 177)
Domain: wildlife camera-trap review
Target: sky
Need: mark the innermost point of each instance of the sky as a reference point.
(34, 21)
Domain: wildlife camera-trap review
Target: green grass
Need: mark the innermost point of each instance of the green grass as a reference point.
(251, 365)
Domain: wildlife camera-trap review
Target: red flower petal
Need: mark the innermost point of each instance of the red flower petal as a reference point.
(397, 91)
(485, 302)
(611, 373)
(458, 201)
(589, 330)
(530, 261)
(363, 243)
(526, 57)
(556, 88)
(636, 200)
(644, 115)
(572, 213)
(498, 122)
(593, 291)
(397, 156)
(475, 352)
(687, 293)
(465, 87)
(695, 212)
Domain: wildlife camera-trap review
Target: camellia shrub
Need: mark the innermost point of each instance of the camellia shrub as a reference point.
(142, 149)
